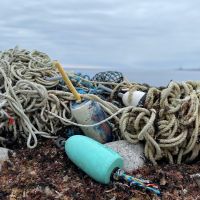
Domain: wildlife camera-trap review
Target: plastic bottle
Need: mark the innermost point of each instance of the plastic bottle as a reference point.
(90, 112)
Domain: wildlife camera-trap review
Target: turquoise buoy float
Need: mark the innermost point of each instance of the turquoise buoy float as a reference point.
(95, 159)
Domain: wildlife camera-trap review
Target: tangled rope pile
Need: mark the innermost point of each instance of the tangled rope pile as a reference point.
(168, 122)
(29, 103)
(31, 106)
(24, 97)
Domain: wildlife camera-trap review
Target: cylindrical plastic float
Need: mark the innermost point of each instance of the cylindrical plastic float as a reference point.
(90, 112)
(133, 99)
(95, 159)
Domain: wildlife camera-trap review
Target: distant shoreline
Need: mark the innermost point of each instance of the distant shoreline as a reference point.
(187, 69)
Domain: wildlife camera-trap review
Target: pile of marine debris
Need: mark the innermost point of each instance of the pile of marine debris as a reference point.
(139, 122)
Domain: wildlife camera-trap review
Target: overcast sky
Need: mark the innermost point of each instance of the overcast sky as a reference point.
(116, 33)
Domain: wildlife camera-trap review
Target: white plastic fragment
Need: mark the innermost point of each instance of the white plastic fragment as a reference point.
(3, 156)
(133, 154)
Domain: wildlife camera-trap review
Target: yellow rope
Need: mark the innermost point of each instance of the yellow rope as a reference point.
(67, 81)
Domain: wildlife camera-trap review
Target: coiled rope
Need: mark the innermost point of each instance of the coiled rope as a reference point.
(24, 96)
(168, 123)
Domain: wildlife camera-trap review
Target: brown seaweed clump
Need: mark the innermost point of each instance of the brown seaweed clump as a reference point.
(46, 173)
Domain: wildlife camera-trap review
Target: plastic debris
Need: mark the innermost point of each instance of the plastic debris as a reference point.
(134, 98)
(92, 157)
(88, 113)
(132, 154)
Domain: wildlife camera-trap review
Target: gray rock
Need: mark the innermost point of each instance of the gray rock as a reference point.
(3, 156)
(133, 154)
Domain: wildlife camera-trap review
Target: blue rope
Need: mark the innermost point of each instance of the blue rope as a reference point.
(72, 131)
(132, 181)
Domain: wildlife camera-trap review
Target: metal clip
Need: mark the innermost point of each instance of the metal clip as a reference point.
(60, 142)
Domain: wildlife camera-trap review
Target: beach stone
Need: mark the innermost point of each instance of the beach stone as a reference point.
(132, 154)
(196, 178)
(3, 156)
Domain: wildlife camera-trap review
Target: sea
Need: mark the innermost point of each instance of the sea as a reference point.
(153, 77)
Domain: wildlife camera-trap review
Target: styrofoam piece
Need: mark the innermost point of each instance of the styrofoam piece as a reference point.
(132, 154)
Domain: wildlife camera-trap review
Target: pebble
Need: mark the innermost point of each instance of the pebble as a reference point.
(48, 191)
(132, 154)
(3, 156)
(65, 178)
(196, 178)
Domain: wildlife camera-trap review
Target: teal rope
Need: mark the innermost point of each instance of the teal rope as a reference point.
(132, 181)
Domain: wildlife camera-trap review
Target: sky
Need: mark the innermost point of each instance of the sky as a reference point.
(106, 33)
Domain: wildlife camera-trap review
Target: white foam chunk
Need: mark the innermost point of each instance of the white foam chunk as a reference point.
(132, 154)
